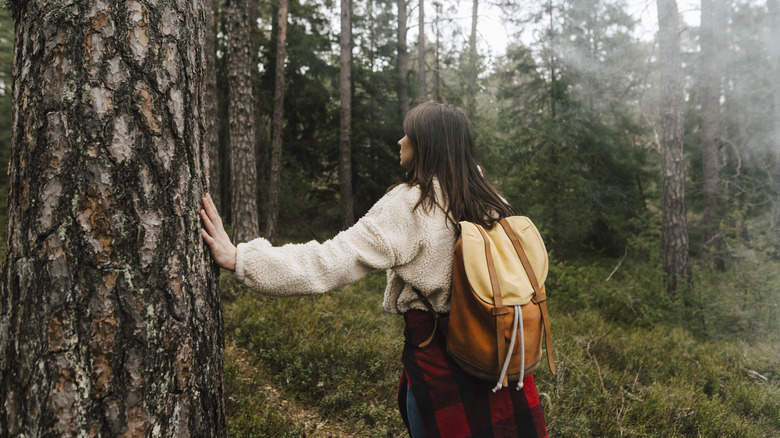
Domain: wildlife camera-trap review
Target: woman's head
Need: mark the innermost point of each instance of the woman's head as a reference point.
(442, 147)
(441, 139)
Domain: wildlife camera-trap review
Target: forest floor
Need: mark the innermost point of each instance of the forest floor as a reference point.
(250, 386)
(328, 365)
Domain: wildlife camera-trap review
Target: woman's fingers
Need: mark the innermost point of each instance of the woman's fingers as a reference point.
(220, 246)
(206, 221)
(211, 210)
(207, 237)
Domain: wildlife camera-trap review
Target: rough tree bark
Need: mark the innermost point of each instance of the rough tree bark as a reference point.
(710, 83)
(345, 143)
(421, 93)
(242, 62)
(472, 87)
(110, 320)
(403, 61)
(210, 98)
(275, 178)
(674, 224)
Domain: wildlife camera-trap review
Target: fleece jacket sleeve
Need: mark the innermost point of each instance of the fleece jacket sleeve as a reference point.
(387, 236)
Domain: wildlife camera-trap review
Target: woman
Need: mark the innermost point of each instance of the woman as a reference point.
(410, 233)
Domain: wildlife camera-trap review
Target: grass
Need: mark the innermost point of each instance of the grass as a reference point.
(337, 354)
(259, 409)
(661, 381)
(625, 368)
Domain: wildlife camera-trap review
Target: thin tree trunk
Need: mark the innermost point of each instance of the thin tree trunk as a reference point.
(403, 61)
(674, 224)
(345, 143)
(421, 93)
(774, 11)
(710, 120)
(437, 56)
(472, 88)
(275, 181)
(553, 84)
(110, 320)
(242, 71)
(211, 11)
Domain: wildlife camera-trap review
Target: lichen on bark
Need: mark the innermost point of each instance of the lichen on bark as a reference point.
(109, 309)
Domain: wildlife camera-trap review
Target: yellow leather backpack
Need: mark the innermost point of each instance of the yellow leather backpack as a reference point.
(498, 315)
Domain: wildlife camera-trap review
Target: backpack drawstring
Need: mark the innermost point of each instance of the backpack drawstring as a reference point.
(517, 320)
(519, 315)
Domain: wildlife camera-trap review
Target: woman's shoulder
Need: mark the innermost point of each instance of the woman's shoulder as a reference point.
(406, 200)
(403, 190)
(399, 199)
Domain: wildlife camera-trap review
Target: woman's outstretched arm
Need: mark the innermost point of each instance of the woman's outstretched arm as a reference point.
(222, 249)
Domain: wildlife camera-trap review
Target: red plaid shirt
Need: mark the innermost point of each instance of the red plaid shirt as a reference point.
(454, 404)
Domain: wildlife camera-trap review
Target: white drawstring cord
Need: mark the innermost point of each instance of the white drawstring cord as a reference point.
(519, 315)
(500, 384)
(517, 320)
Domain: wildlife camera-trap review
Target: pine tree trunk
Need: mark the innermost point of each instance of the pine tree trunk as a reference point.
(674, 224)
(403, 61)
(421, 93)
(774, 11)
(242, 69)
(472, 88)
(210, 100)
(437, 56)
(710, 80)
(345, 143)
(110, 320)
(275, 179)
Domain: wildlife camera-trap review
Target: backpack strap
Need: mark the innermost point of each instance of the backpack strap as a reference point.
(428, 306)
(540, 294)
(499, 310)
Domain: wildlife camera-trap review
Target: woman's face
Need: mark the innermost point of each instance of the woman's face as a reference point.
(407, 153)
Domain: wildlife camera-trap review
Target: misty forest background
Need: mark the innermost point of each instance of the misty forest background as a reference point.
(569, 127)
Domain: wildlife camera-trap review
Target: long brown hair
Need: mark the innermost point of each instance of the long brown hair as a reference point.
(442, 139)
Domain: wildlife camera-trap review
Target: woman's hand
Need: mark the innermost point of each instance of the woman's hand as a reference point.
(222, 249)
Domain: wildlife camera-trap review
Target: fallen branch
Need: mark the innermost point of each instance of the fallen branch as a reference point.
(755, 375)
(618, 265)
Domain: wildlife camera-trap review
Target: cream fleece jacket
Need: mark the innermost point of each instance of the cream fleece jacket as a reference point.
(414, 246)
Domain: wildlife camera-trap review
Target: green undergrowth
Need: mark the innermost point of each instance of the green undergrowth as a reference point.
(338, 354)
(253, 413)
(662, 381)
(739, 303)
(624, 367)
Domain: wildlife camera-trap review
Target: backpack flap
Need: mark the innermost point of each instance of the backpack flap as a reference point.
(516, 288)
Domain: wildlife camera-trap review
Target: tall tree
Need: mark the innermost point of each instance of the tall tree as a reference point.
(345, 143)
(472, 86)
(774, 12)
(211, 11)
(110, 320)
(6, 74)
(403, 61)
(421, 93)
(674, 224)
(275, 179)
(554, 88)
(242, 62)
(437, 6)
(710, 86)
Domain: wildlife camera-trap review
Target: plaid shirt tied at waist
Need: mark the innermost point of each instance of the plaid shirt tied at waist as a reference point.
(454, 404)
